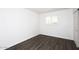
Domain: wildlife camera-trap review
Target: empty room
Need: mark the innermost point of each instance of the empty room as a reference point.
(39, 29)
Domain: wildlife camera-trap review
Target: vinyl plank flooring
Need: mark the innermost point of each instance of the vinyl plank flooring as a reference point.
(43, 42)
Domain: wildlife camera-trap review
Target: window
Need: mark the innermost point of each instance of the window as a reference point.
(48, 20)
(51, 19)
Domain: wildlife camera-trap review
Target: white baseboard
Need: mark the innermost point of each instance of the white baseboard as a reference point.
(57, 36)
(20, 41)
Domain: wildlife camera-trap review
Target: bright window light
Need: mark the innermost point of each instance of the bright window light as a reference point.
(54, 19)
(48, 20)
(51, 19)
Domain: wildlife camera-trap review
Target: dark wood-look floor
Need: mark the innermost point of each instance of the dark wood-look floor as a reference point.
(43, 42)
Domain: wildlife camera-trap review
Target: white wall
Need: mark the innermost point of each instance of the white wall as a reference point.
(16, 25)
(64, 27)
(76, 27)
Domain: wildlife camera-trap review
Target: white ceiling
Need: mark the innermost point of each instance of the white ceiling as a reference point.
(44, 10)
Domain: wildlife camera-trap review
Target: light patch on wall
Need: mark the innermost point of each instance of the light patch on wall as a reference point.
(51, 19)
(54, 19)
(48, 20)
